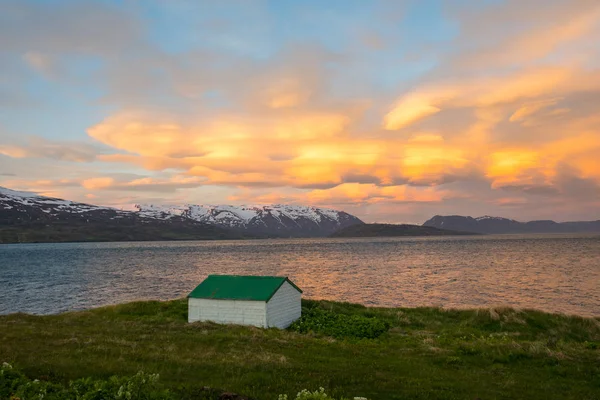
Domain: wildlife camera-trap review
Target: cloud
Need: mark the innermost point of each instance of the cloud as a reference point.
(109, 189)
(144, 184)
(499, 110)
(286, 93)
(414, 107)
(64, 27)
(511, 201)
(39, 62)
(574, 186)
(319, 149)
(44, 187)
(528, 109)
(63, 46)
(513, 165)
(346, 194)
(515, 33)
(38, 147)
(557, 167)
(98, 183)
(491, 91)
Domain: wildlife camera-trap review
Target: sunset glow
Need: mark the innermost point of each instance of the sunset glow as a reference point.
(393, 111)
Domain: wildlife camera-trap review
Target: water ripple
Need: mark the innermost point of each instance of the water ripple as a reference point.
(556, 273)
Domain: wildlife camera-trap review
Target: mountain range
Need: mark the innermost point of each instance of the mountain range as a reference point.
(28, 217)
(489, 225)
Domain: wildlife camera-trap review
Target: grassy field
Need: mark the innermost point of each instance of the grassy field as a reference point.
(428, 353)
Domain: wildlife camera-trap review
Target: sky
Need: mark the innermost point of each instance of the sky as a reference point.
(393, 111)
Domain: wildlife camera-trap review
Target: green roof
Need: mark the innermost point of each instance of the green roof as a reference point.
(240, 287)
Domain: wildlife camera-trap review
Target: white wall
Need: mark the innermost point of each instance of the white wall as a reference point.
(284, 307)
(228, 311)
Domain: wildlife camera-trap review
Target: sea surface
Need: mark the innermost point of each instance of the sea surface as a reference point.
(555, 273)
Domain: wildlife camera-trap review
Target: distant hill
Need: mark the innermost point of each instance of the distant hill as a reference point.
(382, 230)
(489, 224)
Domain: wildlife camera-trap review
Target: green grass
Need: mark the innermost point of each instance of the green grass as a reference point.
(428, 353)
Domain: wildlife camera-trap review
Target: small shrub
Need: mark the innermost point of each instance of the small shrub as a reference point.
(10, 380)
(468, 350)
(339, 325)
(592, 345)
(141, 386)
(454, 361)
(41, 390)
(513, 356)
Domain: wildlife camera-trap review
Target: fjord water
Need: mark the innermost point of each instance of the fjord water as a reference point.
(555, 273)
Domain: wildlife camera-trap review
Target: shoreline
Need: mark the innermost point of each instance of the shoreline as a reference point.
(540, 235)
(327, 301)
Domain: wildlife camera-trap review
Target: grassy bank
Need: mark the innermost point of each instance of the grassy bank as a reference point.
(426, 354)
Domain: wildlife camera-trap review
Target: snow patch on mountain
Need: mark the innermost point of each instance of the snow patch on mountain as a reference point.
(16, 194)
(9, 199)
(240, 214)
(278, 219)
(487, 217)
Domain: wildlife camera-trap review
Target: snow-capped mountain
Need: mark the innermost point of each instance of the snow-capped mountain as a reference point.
(274, 220)
(25, 206)
(490, 218)
(487, 224)
(28, 217)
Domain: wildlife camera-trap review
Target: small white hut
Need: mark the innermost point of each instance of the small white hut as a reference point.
(263, 301)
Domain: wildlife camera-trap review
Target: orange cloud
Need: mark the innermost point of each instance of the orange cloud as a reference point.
(414, 107)
(542, 164)
(345, 194)
(427, 163)
(488, 92)
(555, 27)
(318, 150)
(287, 92)
(512, 166)
(98, 183)
(301, 149)
(529, 109)
(14, 151)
